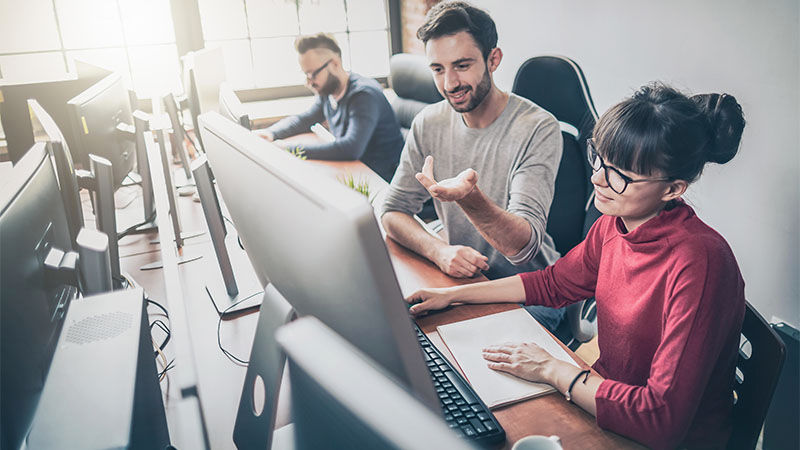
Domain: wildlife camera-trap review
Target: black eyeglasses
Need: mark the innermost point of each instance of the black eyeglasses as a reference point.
(615, 179)
(313, 74)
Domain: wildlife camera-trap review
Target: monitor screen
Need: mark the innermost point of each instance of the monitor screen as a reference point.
(46, 130)
(53, 95)
(32, 221)
(319, 243)
(95, 115)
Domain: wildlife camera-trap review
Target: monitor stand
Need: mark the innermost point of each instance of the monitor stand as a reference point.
(228, 297)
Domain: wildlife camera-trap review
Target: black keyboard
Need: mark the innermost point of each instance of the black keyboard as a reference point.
(462, 409)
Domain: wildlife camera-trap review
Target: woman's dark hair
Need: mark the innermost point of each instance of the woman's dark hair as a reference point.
(320, 40)
(659, 129)
(447, 18)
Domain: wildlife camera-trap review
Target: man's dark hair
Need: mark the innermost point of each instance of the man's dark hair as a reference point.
(320, 40)
(448, 18)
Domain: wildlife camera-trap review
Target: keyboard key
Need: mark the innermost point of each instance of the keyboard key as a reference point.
(439, 362)
(457, 413)
(452, 407)
(469, 431)
(489, 425)
(469, 414)
(483, 416)
(447, 401)
(461, 420)
(479, 428)
(462, 389)
(465, 409)
(476, 408)
(460, 402)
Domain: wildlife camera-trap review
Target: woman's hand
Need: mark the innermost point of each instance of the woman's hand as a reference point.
(425, 300)
(524, 360)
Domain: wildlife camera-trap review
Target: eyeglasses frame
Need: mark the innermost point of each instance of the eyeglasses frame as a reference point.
(591, 153)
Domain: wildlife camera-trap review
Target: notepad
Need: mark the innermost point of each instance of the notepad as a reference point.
(467, 339)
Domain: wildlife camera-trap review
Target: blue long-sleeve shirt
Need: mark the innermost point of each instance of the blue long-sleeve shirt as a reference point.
(363, 123)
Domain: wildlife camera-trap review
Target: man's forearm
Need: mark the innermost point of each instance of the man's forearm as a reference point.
(506, 232)
(409, 233)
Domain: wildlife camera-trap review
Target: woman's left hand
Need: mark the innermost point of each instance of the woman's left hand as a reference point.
(525, 360)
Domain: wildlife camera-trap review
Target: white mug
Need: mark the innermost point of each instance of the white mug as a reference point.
(538, 443)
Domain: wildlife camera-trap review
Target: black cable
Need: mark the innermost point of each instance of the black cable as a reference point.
(160, 324)
(170, 366)
(133, 228)
(228, 354)
(133, 182)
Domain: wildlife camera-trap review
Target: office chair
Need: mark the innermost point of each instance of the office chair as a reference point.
(757, 373)
(411, 80)
(557, 84)
(343, 399)
(254, 430)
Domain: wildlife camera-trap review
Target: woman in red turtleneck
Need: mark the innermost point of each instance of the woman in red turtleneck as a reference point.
(670, 297)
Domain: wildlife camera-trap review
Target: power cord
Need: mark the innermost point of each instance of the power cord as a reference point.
(133, 228)
(233, 358)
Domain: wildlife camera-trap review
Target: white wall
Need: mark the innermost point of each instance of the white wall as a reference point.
(750, 49)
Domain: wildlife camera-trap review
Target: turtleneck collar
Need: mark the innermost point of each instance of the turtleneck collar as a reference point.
(659, 226)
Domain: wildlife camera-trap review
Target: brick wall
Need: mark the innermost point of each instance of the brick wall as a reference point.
(412, 17)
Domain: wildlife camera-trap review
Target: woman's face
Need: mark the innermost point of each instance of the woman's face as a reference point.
(639, 201)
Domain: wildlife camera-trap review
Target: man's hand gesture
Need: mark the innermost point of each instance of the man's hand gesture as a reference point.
(451, 189)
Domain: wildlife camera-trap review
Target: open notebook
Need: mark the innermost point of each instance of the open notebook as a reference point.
(467, 338)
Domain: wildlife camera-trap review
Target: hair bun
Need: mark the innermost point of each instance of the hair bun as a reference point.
(726, 123)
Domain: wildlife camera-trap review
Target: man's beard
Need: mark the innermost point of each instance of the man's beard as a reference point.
(480, 93)
(331, 85)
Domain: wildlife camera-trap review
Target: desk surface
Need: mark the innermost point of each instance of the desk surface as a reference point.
(220, 380)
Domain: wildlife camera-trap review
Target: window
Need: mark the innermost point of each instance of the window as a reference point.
(257, 36)
(134, 37)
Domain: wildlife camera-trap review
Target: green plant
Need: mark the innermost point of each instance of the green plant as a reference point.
(361, 186)
(297, 152)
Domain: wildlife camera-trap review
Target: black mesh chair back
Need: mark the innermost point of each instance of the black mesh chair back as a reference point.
(758, 368)
(557, 84)
(411, 80)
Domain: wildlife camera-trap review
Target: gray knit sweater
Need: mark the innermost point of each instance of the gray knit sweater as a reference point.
(516, 158)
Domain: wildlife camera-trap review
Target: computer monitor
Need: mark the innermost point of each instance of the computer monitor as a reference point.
(102, 123)
(341, 399)
(46, 130)
(178, 136)
(190, 91)
(32, 299)
(53, 96)
(231, 107)
(319, 243)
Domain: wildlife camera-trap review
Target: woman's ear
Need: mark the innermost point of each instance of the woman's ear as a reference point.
(674, 190)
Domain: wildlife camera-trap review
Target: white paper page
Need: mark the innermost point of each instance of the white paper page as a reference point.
(467, 339)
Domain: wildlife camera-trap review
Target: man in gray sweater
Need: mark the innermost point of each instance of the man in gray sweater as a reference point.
(495, 156)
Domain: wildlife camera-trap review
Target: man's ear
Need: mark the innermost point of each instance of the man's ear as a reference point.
(674, 190)
(493, 61)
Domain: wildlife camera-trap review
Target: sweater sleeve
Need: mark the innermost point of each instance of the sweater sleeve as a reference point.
(405, 194)
(532, 184)
(699, 312)
(362, 118)
(300, 123)
(573, 277)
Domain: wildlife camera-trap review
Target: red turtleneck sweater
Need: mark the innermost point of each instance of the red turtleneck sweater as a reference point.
(670, 305)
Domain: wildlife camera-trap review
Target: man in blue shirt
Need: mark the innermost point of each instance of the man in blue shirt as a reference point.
(358, 114)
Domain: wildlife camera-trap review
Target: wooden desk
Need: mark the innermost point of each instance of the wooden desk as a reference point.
(220, 380)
